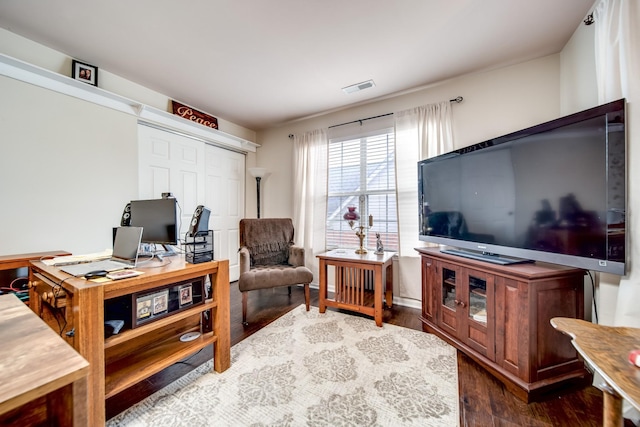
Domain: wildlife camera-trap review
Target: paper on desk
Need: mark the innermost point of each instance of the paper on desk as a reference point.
(131, 273)
(77, 259)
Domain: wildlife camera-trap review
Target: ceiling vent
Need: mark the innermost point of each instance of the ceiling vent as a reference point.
(358, 86)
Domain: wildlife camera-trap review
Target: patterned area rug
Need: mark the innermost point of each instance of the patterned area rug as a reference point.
(312, 369)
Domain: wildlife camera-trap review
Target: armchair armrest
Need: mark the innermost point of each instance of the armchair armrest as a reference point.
(245, 259)
(296, 256)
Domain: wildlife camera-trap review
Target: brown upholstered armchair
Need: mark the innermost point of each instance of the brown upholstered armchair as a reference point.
(268, 258)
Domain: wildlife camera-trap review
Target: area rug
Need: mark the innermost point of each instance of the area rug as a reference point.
(312, 369)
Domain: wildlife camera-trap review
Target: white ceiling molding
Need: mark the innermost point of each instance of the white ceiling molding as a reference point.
(28, 73)
(155, 115)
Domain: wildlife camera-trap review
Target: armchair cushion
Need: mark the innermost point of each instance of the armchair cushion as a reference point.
(267, 240)
(271, 276)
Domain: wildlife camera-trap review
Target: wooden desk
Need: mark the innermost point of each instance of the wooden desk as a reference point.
(606, 349)
(359, 281)
(44, 381)
(77, 307)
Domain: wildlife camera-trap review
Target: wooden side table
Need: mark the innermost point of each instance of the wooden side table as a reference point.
(607, 349)
(44, 380)
(359, 281)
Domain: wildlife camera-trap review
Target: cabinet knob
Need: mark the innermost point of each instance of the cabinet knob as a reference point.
(460, 303)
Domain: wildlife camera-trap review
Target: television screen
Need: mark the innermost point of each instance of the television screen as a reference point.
(158, 219)
(554, 192)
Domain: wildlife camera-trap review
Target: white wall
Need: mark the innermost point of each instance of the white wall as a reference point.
(67, 169)
(67, 166)
(495, 102)
(578, 90)
(33, 53)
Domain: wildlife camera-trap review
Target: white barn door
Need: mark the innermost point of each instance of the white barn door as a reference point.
(197, 174)
(224, 195)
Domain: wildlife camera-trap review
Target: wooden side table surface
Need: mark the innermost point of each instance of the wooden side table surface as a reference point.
(35, 361)
(606, 349)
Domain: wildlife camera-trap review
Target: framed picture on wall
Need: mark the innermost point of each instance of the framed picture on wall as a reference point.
(84, 72)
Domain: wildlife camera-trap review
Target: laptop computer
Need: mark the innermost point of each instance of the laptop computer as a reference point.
(125, 254)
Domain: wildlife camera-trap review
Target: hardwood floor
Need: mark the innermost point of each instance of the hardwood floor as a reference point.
(483, 400)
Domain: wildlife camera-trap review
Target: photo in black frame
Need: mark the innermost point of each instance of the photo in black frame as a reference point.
(84, 72)
(186, 296)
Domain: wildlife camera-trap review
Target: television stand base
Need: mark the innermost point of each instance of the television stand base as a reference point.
(483, 256)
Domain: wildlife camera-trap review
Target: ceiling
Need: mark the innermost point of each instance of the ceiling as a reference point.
(259, 63)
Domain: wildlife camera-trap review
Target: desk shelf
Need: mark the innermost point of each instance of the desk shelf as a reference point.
(130, 370)
(136, 354)
(131, 334)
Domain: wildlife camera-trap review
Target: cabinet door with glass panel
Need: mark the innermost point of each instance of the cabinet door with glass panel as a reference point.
(466, 308)
(450, 309)
(479, 301)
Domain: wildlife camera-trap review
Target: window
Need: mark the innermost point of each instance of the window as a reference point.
(362, 174)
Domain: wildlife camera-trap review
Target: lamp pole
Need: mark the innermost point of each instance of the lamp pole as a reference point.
(258, 190)
(258, 174)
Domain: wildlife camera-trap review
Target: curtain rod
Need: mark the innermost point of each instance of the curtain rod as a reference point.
(457, 99)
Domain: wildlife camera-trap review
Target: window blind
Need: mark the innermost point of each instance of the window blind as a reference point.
(362, 174)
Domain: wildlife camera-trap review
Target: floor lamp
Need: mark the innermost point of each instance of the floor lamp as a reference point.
(258, 174)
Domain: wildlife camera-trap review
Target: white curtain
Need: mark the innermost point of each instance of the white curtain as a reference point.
(421, 132)
(617, 46)
(310, 194)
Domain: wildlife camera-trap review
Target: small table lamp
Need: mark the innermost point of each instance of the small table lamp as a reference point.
(351, 216)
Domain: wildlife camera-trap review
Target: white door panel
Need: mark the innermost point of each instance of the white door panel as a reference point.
(225, 196)
(196, 174)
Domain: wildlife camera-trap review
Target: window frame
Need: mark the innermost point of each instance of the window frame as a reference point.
(361, 198)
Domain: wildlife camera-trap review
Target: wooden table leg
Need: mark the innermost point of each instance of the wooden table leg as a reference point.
(322, 306)
(612, 413)
(222, 321)
(389, 285)
(377, 280)
(87, 307)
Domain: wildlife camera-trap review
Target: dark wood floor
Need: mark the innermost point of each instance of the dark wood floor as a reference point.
(483, 400)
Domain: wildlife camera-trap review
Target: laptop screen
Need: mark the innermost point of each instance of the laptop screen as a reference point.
(127, 242)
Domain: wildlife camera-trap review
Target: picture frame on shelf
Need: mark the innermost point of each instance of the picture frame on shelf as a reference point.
(186, 295)
(85, 73)
(143, 308)
(161, 302)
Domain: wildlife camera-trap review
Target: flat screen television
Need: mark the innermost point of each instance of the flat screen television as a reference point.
(555, 192)
(158, 219)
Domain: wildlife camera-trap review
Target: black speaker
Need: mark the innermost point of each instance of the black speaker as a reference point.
(126, 216)
(200, 220)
